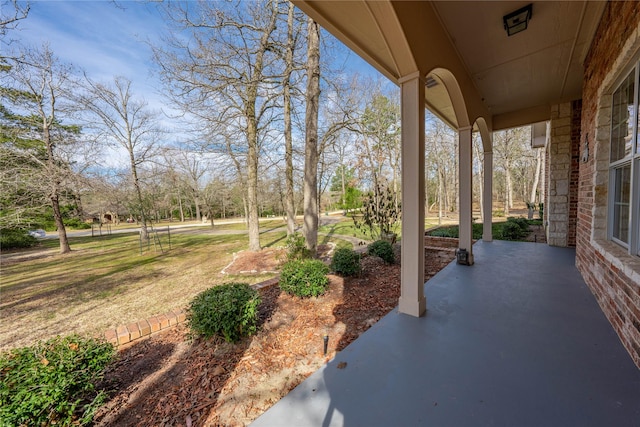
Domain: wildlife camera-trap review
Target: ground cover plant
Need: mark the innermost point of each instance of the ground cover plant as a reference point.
(53, 382)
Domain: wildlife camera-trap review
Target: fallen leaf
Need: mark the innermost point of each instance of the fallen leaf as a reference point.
(342, 365)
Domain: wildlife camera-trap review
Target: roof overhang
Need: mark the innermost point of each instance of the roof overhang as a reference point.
(508, 81)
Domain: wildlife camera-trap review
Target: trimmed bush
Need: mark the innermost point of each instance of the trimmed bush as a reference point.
(53, 382)
(304, 278)
(522, 223)
(15, 239)
(511, 230)
(296, 247)
(346, 262)
(229, 310)
(382, 249)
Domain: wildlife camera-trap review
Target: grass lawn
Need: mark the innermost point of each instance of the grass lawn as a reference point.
(106, 282)
(346, 227)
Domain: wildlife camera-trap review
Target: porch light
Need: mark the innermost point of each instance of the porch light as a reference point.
(517, 21)
(462, 256)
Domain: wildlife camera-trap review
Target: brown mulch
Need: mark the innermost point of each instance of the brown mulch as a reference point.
(171, 380)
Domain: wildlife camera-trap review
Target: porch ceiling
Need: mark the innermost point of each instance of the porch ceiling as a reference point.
(511, 81)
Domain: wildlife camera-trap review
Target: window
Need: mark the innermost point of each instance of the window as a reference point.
(624, 165)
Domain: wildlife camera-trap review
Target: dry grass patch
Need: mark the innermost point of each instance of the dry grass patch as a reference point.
(105, 282)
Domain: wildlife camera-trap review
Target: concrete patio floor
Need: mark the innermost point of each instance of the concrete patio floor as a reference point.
(515, 340)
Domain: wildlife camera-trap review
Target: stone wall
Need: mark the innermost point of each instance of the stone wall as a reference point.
(562, 174)
(612, 274)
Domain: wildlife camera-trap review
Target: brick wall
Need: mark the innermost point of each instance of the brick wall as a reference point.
(574, 171)
(612, 274)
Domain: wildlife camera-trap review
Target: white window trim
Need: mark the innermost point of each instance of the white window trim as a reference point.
(633, 247)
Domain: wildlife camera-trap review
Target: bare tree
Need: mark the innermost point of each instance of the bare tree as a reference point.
(126, 122)
(221, 77)
(191, 168)
(288, 137)
(11, 12)
(513, 157)
(37, 148)
(310, 226)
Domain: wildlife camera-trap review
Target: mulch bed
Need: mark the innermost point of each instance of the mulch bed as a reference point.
(172, 380)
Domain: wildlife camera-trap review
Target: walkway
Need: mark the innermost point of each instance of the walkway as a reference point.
(515, 340)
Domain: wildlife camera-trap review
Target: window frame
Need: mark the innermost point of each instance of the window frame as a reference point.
(633, 161)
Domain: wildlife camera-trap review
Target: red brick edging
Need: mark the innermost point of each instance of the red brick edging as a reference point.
(126, 334)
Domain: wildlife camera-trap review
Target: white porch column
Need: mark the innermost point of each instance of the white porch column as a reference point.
(487, 193)
(412, 300)
(465, 176)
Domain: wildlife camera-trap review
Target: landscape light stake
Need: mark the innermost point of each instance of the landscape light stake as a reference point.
(326, 343)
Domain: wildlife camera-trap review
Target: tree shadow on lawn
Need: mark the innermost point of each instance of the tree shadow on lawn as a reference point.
(169, 380)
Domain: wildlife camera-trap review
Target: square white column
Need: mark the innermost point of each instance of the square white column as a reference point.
(487, 202)
(465, 168)
(412, 300)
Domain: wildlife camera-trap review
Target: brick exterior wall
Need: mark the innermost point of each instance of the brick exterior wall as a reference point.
(612, 274)
(574, 171)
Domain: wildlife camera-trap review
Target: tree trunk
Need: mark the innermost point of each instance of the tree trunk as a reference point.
(144, 233)
(310, 227)
(507, 190)
(252, 187)
(288, 138)
(344, 188)
(196, 200)
(54, 196)
(180, 206)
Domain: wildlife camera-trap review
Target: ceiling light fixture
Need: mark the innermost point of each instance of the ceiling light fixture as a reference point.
(517, 21)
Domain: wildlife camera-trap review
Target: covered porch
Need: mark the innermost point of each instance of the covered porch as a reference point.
(516, 340)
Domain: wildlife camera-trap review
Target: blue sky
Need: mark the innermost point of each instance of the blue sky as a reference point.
(101, 38)
(108, 39)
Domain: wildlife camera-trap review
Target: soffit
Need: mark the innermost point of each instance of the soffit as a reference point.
(536, 68)
(515, 78)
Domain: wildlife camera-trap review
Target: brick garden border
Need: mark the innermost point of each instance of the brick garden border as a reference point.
(124, 335)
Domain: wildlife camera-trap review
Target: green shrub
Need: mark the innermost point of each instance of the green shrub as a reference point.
(53, 382)
(76, 223)
(382, 249)
(16, 238)
(522, 222)
(445, 232)
(304, 278)
(346, 262)
(296, 247)
(511, 230)
(229, 310)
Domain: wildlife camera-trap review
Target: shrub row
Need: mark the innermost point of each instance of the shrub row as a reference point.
(16, 239)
